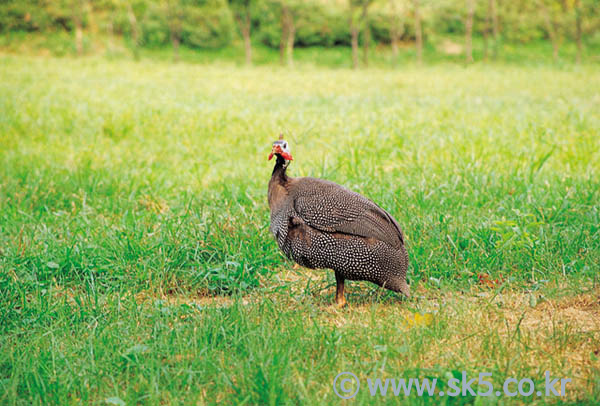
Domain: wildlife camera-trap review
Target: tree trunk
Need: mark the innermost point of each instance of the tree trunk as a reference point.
(486, 45)
(354, 30)
(353, 38)
(77, 17)
(91, 20)
(291, 34)
(366, 33)
(245, 25)
(174, 16)
(394, 44)
(578, 31)
(134, 29)
(175, 42)
(469, 31)
(494, 17)
(395, 29)
(418, 32)
(246, 35)
(78, 36)
(111, 34)
(486, 33)
(551, 32)
(284, 34)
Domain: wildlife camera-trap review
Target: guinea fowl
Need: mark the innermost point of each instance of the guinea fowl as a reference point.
(320, 224)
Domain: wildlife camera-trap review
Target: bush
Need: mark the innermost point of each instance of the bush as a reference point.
(35, 15)
(209, 26)
(154, 28)
(321, 26)
(315, 23)
(381, 25)
(204, 24)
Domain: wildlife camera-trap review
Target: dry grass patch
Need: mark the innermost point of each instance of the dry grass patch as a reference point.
(174, 299)
(492, 333)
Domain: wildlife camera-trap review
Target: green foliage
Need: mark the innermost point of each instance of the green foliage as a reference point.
(523, 21)
(37, 15)
(210, 23)
(154, 26)
(325, 25)
(203, 23)
(206, 24)
(315, 23)
(211, 26)
(381, 22)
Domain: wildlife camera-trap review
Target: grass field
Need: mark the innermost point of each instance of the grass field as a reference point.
(136, 265)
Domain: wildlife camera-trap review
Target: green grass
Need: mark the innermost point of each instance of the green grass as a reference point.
(136, 264)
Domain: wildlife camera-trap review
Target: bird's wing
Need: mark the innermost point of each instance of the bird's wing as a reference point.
(330, 207)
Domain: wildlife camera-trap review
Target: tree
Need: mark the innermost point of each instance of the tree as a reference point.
(354, 17)
(491, 27)
(361, 20)
(90, 17)
(110, 28)
(78, 10)
(174, 12)
(553, 12)
(578, 42)
(494, 17)
(69, 15)
(469, 31)
(418, 31)
(288, 31)
(396, 25)
(241, 13)
(291, 35)
(134, 29)
(112, 8)
(366, 30)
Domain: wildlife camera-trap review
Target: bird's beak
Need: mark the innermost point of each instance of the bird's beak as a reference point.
(276, 150)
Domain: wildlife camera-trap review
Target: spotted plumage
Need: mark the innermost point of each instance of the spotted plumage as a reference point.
(320, 224)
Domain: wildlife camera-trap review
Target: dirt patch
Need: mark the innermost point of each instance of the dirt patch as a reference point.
(202, 300)
(582, 311)
(450, 47)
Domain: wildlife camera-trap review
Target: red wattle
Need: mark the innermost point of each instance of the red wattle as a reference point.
(270, 156)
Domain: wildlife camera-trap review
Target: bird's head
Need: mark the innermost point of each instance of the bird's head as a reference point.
(282, 149)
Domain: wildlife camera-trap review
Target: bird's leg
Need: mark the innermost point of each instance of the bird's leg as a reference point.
(340, 300)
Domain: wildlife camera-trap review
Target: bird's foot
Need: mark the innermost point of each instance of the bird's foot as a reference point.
(340, 299)
(340, 302)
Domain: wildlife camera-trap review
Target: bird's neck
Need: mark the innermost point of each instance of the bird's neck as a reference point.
(279, 170)
(278, 183)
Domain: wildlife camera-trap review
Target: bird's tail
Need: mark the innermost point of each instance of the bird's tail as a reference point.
(404, 288)
(398, 285)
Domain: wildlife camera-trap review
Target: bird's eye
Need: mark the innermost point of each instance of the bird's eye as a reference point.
(285, 145)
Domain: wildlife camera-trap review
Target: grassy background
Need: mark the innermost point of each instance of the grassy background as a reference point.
(136, 264)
